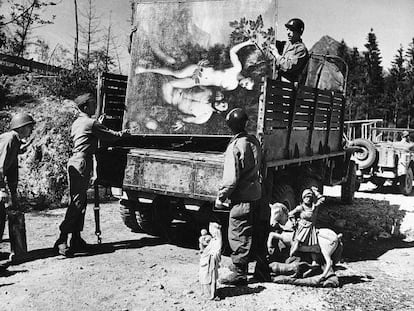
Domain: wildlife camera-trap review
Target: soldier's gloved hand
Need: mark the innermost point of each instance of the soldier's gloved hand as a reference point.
(4, 196)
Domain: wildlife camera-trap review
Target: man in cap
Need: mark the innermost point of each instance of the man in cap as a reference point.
(85, 134)
(21, 127)
(241, 186)
(292, 56)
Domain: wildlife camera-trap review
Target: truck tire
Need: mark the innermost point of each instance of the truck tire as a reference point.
(283, 193)
(128, 216)
(378, 181)
(349, 186)
(162, 216)
(306, 183)
(406, 182)
(366, 158)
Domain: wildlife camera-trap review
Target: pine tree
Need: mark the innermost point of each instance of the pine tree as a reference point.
(355, 81)
(395, 90)
(375, 78)
(409, 56)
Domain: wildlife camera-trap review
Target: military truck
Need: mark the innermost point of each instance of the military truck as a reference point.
(171, 166)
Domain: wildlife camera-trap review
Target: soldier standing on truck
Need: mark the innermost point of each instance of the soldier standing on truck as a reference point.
(21, 127)
(85, 133)
(292, 56)
(241, 186)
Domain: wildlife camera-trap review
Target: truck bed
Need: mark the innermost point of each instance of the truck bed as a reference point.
(186, 174)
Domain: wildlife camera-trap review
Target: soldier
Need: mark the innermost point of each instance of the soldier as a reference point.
(21, 127)
(85, 134)
(405, 137)
(292, 56)
(241, 186)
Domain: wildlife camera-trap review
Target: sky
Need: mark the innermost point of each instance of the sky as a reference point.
(391, 20)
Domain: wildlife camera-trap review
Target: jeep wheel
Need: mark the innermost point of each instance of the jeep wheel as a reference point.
(406, 182)
(349, 186)
(368, 154)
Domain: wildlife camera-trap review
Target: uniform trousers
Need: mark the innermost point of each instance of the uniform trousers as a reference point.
(240, 232)
(79, 173)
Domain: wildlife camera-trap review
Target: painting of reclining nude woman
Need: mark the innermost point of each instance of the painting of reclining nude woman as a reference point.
(192, 62)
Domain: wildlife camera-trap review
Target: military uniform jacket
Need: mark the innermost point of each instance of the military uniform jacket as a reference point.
(86, 132)
(293, 60)
(9, 149)
(242, 162)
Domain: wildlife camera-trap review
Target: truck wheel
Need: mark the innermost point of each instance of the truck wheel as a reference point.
(406, 182)
(128, 216)
(378, 181)
(283, 193)
(307, 182)
(368, 154)
(162, 216)
(349, 186)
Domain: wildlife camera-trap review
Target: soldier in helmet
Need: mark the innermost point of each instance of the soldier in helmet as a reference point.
(241, 186)
(85, 133)
(292, 56)
(11, 144)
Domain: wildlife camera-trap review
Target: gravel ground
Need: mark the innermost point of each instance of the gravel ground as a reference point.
(138, 272)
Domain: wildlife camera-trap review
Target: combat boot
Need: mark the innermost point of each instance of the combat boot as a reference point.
(77, 244)
(237, 277)
(61, 246)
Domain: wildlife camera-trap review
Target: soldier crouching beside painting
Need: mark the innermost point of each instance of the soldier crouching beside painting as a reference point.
(85, 134)
(241, 186)
(21, 127)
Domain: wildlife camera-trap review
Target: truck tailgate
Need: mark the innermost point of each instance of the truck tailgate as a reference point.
(185, 174)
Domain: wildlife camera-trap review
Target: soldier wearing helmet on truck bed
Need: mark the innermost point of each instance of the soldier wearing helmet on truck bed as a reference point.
(292, 56)
(241, 186)
(21, 127)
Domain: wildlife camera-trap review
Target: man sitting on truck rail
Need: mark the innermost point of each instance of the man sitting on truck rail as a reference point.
(241, 186)
(85, 133)
(292, 56)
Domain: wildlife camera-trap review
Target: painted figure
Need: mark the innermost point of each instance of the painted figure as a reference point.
(200, 75)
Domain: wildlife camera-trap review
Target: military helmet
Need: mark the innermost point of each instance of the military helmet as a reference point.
(296, 24)
(83, 99)
(306, 193)
(236, 119)
(405, 134)
(21, 119)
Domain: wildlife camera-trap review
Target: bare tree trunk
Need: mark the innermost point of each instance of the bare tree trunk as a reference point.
(25, 31)
(132, 3)
(89, 35)
(108, 41)
(117, 56)
(76, 52)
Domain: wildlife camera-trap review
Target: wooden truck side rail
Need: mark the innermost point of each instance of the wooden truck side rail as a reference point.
(299, 124)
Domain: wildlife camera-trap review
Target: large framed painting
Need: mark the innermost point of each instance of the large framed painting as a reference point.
(194, 61)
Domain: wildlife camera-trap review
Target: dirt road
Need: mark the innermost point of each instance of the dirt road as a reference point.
(138, 272)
